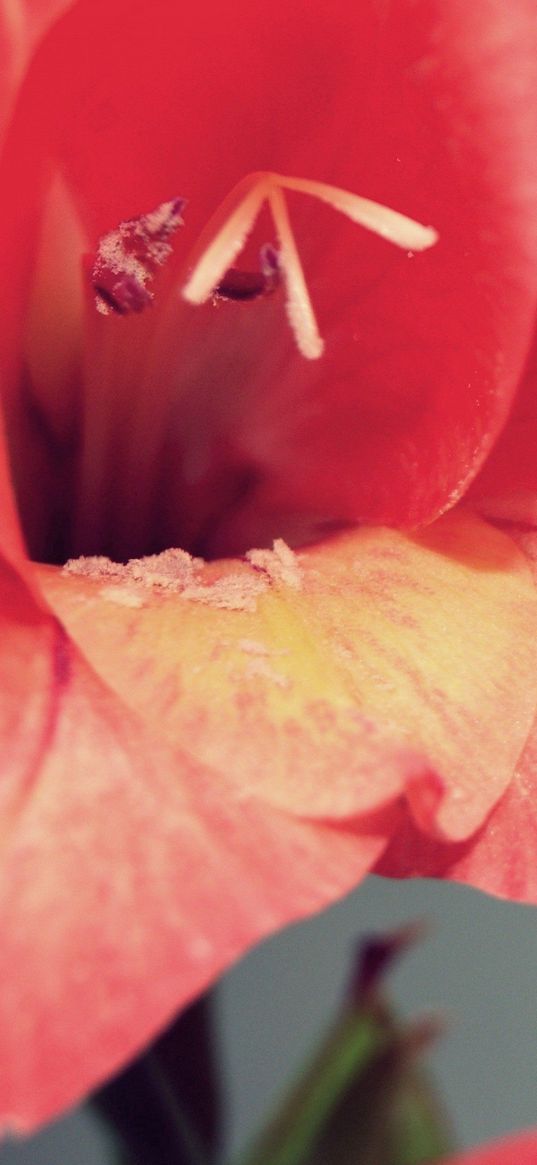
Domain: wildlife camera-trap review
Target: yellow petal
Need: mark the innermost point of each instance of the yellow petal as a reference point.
(330, 681)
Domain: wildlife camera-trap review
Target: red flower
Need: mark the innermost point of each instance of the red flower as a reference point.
(195, 754)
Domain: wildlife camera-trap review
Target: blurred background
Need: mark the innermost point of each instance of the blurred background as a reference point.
(477, 966)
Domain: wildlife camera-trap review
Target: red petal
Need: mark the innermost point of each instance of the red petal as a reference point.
(518, 1150)
(506, 487)
(10, 535)
(21, 25)
(433, 112)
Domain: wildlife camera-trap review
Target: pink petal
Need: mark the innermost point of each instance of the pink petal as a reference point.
(130, 877)
(518, 1150)
(134, 871)
(500, 858)
(329, 682)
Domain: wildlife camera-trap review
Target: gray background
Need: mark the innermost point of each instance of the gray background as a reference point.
(478, 966)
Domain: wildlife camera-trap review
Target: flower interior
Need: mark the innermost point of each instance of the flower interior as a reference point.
(231, 236)
(147, 458)
(271, 365)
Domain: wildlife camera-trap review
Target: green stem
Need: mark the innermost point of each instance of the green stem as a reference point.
(293, 1134)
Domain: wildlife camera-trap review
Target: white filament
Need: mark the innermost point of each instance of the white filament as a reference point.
(230, 238)
(299, 307)
(224, 248)
(389, 224)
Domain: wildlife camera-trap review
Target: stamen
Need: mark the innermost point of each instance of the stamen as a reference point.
(240, 285)
(128, 257)
(212, 272)
(269, 260)
(299, 306)
(244, 285)
(389, 224)
(226, 245)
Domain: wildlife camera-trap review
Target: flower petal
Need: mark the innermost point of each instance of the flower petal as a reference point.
(134, 867)
(433, 113)
(500, 857)
(129, 876)
(506, 487)
(134, 884)
(22, 22)
(330, 682)
(10, 533)
(520, 1149)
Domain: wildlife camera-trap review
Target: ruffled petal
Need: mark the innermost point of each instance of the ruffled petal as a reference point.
(331, 681)
(500, 857)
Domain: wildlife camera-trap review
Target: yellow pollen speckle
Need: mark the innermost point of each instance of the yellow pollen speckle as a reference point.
(280, 564)
(233, 592)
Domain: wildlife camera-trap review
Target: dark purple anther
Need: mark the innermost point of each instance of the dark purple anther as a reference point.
(245, 285)
(123, 296)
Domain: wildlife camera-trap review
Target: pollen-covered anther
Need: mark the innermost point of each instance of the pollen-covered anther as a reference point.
(236, 217)
(127, 258)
